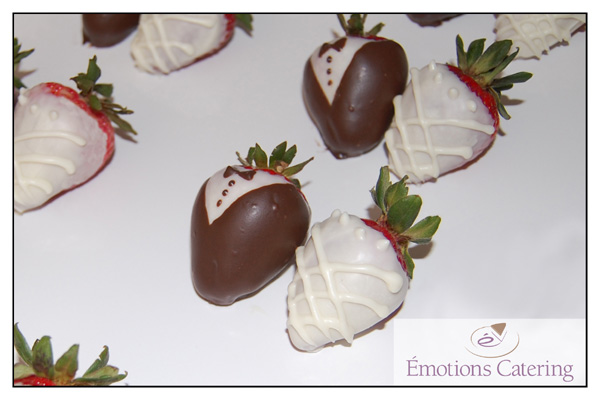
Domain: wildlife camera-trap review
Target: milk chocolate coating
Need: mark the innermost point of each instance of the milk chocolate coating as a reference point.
(431, 19)
(362, 108)
(249, 244)
(104, 30)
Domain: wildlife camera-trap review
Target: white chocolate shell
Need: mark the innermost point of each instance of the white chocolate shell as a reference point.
(535, 34)
(57, 146)
(348, 278)
(439, 125)
(167, 42)
(222, 189)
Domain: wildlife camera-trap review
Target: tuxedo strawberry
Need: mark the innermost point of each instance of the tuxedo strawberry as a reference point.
(37, 367)
(449, 115)
(247, 221)
(354, 272)
(104, 30)
(168, 42)
(536, 34)
(62, 138)
(348, 87)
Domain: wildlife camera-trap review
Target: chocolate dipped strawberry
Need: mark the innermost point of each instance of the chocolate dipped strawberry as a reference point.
(104, 30)
(37, 367)
(536, 34)
(62, 138)
(353, 272)
(349, 85)
(449, 115)
(247, 221)
(169, 42)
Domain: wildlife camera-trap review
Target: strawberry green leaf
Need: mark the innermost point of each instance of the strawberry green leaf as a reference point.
(410, 264)
(461, 56)
(379, 191)
(104, 89)
(492, 57)
(260, 157)
(294, 169)
(474, 51)
(102, 377)
(423, 231)
(289, 155)
(244, 21)
(66, 365)
(403, 213)
(518, 77)
(93, 71)
(21, 346)
(277, 154)
(396, 192)
(94, 103)
(22, 371)
(99, 363)
(42, 359)
(18, 55)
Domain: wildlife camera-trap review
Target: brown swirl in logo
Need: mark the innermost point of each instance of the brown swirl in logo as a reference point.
(493, 341)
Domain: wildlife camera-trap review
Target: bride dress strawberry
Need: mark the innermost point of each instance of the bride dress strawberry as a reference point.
(536, 34)
(168, 42)
(349, 84)
(354, 272)
(449, 115)
(62, 138)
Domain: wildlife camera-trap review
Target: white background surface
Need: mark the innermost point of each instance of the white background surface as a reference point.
(111, 258)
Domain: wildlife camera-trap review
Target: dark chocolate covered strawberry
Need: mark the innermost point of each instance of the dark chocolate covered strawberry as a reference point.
(104, 30)
(247, 222)
(349, 85)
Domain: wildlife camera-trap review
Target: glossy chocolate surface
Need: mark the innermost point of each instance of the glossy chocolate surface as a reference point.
(431, 19)
(249, 244)
(362, 108)
(104, 30)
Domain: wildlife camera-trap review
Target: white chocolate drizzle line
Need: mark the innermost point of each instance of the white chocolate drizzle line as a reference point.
(545, 25)
(66, 164)
(166, 44)
(433, 170)
(327, 270)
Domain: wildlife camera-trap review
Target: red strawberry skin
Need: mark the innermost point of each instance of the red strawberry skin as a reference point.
(33, 380)
(486, 98)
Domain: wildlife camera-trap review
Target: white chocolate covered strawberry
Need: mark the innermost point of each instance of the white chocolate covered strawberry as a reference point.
(168, 42)
(62, 138)
(353, 273)
(536, 34)
(449, 115)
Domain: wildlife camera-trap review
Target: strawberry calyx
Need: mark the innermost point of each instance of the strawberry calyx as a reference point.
(37, 366)
(18, 55)
(484, 67)
(355, 26)
(279, 162)
(399, 210)
(99, 96)
(243, 21)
